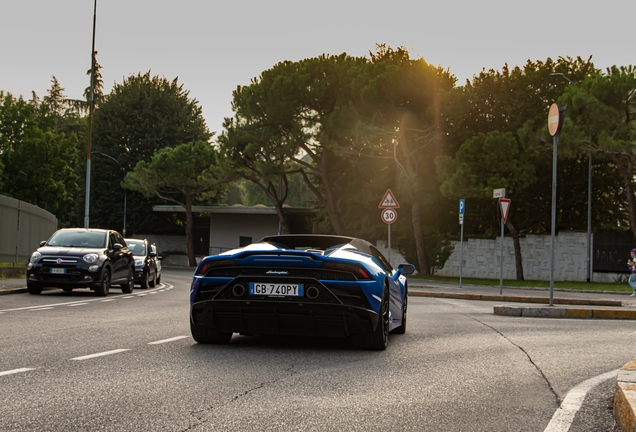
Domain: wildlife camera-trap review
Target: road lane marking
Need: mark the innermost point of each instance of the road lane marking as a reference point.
(141, 295)
(105, 353)
(42, 308)
(59, 304)
(15, 371)
(129, 297)
(167, 340)
(107, 300)
(152, 293)
(77, 304)
(564, 415)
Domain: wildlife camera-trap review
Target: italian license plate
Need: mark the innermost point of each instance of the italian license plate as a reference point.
(276, 289)
(58, 271)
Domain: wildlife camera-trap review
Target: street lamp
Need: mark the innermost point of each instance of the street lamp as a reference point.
(589, 197)
(124, 171)
(91, 107)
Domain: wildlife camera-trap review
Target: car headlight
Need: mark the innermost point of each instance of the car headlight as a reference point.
(139, 263)
(91, 258)
(35, 257)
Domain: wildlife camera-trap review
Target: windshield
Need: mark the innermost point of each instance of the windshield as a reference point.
(137, 247)
(86, 239)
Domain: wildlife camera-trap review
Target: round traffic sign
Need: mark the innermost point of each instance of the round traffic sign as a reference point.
(553, 119)
(389, 215)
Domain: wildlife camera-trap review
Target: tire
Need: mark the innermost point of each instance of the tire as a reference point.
(207, 335)
(153, 281)
(34, 289)
(104, 285)
(378, 339)
(158, 278)
(144, 281)
(401, 329)
(128, 287)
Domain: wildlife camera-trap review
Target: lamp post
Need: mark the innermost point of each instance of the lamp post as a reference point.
(124, 171)
(589, 197)
(91, 107)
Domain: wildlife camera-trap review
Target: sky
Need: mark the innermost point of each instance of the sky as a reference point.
(214, 46)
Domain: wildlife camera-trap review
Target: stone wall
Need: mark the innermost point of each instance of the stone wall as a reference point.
(481, 258)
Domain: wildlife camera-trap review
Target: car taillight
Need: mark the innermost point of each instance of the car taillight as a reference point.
(358, 271)
(207, 265)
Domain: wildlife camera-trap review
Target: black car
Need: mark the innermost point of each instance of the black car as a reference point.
(147, 262)
(81, 258)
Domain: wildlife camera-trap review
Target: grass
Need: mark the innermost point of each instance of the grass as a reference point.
(7, 264)
(574, 286)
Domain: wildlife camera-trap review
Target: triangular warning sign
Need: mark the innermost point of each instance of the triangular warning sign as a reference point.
(504, 206)
(389, 200)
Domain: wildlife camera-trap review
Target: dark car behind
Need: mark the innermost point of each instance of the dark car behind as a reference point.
(147, 262)
(81, 258)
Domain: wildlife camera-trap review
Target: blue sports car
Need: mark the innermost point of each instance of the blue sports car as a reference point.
(318, 285)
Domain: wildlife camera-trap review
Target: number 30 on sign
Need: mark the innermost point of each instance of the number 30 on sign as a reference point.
(389, 216)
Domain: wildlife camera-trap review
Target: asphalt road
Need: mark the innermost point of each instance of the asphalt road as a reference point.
(127, 363)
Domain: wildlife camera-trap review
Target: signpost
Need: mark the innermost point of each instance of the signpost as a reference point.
(504, 208)
(389, 215)
(462, 208)
(555, 122)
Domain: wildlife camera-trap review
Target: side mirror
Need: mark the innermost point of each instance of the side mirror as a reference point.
(406, 268)
(42, 243)
(117, 246)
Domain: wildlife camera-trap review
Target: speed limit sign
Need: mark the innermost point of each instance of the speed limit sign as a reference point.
(389, 215)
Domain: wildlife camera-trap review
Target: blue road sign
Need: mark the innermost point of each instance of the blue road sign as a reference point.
(462, 206)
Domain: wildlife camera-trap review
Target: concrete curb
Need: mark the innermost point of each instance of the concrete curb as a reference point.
(557, 312)
(13, 291)
(625, 398)
(516, 299)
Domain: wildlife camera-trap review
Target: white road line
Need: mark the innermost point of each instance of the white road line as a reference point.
(105, 353)
(77, 304)
(141, 295)
(564, 415)
(43, 308)
(167, 340)
(152, 293)
(107, 300)
(15, 371)
(60, 304)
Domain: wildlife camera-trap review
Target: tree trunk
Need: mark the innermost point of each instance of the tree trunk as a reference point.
(515, 241)
(419, 243)
(192, 261)
(331, 207)
(283, 220)
(627, 171)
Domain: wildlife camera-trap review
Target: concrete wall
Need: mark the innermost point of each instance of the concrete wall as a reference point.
(22, 227)
(226, 229)
(481, 258)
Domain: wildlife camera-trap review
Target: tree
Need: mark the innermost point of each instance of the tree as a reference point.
(400, 119)
(38, 159)
(509, 108)
(602, 117)
(140, 116)
(183, 175)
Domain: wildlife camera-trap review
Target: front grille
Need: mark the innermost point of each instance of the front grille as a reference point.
(318, 274)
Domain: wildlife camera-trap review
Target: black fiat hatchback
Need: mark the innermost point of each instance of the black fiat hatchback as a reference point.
(81, 258)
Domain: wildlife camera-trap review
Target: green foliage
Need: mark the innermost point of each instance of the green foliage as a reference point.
(140, 116)
(184, 175)
(38, 157)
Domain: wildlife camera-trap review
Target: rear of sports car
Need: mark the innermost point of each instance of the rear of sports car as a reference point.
(277, 291)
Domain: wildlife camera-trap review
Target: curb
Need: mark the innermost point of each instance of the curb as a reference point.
(625, 398)
(516, 299)
(552, 312)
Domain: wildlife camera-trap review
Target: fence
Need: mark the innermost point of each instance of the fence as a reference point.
(22, 227)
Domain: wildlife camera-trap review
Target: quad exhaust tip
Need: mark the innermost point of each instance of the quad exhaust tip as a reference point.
(312, 293)
(238, 290)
